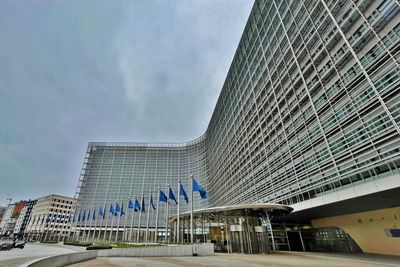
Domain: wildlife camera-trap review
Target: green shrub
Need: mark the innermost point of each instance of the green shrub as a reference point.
(93, 247)
(49, 242)
(77, 243)
(123, 245)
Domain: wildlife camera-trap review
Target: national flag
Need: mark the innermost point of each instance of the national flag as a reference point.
(130, 205)
(84, 216)
(88, 216)
(101, 212)
(122, 209)
(162, 197)
(171, 195)
(73, 218)
(79, 216)
(198, 188)
(143, 208)
(182, 192)
(94, 214)
(104, 212)
(152, 202)
(111, 209)
(137, 205)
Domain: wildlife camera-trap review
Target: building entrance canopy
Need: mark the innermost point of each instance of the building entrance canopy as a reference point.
(274, 210)
(238, 228)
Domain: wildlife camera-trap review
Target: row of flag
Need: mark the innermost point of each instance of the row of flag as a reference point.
(119, 210)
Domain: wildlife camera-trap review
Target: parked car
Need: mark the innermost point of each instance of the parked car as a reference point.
(20, 245)
(6, 246)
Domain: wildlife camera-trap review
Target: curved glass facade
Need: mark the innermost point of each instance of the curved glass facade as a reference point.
(310, 106)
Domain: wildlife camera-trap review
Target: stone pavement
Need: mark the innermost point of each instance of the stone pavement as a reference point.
(282, 259)
(32, 251)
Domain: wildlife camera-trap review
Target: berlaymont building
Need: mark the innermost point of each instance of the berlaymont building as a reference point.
(302, 151)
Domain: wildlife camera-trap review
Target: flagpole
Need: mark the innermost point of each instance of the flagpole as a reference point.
(191, 209)
(126, 215)
(84, 231)
(133, 217)
(119, 220)
(72, 221)
(140, 220)
(148, 217)
(90, 226)
(70, 227)
(112, 225)
(80, 225)
(158, 205)
(101, 222)
(95, 223)
(179, 204)
(166, 217)
(106, 225)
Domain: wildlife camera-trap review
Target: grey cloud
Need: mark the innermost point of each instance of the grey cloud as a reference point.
(78, 71)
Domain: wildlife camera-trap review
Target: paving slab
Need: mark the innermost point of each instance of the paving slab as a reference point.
(286, 259)
(32, 251)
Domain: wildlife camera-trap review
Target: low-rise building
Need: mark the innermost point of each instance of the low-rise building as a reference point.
(24, 218)
(50, 218)
(6, 222)
(2, 211)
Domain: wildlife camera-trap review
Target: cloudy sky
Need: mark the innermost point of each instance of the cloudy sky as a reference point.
(78, 71)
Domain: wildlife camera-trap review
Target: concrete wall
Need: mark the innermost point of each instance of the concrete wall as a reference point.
(206, 249)
(62, 260)
(369, 229)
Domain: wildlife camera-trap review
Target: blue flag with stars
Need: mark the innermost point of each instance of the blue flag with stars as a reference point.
(171, 195)
(130, 205)
(183, 193)
(137, 205)
(122, 209)
(152, 202)
(198, 188)
(162, 197)
(143, 208)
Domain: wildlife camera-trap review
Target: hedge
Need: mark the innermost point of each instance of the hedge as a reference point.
(93, 247)
(77, 243)
(49, 242)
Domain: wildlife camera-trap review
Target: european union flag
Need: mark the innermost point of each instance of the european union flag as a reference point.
(162, 197)
(143, 208)
(130, 205)
(151, 202)
(183, 193)
(94, 214)
(197, 187)
(172, 196)
(88, 216)
(79, 216)
(112, 209)
(84, 215)
(137, 205)
(101, 212)
(117, 209)
(122, 210)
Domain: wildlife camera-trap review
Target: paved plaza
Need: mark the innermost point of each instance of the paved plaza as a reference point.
(32, 251)
(285, 259)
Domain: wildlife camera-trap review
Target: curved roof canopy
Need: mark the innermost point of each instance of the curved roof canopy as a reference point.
(274, 210)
